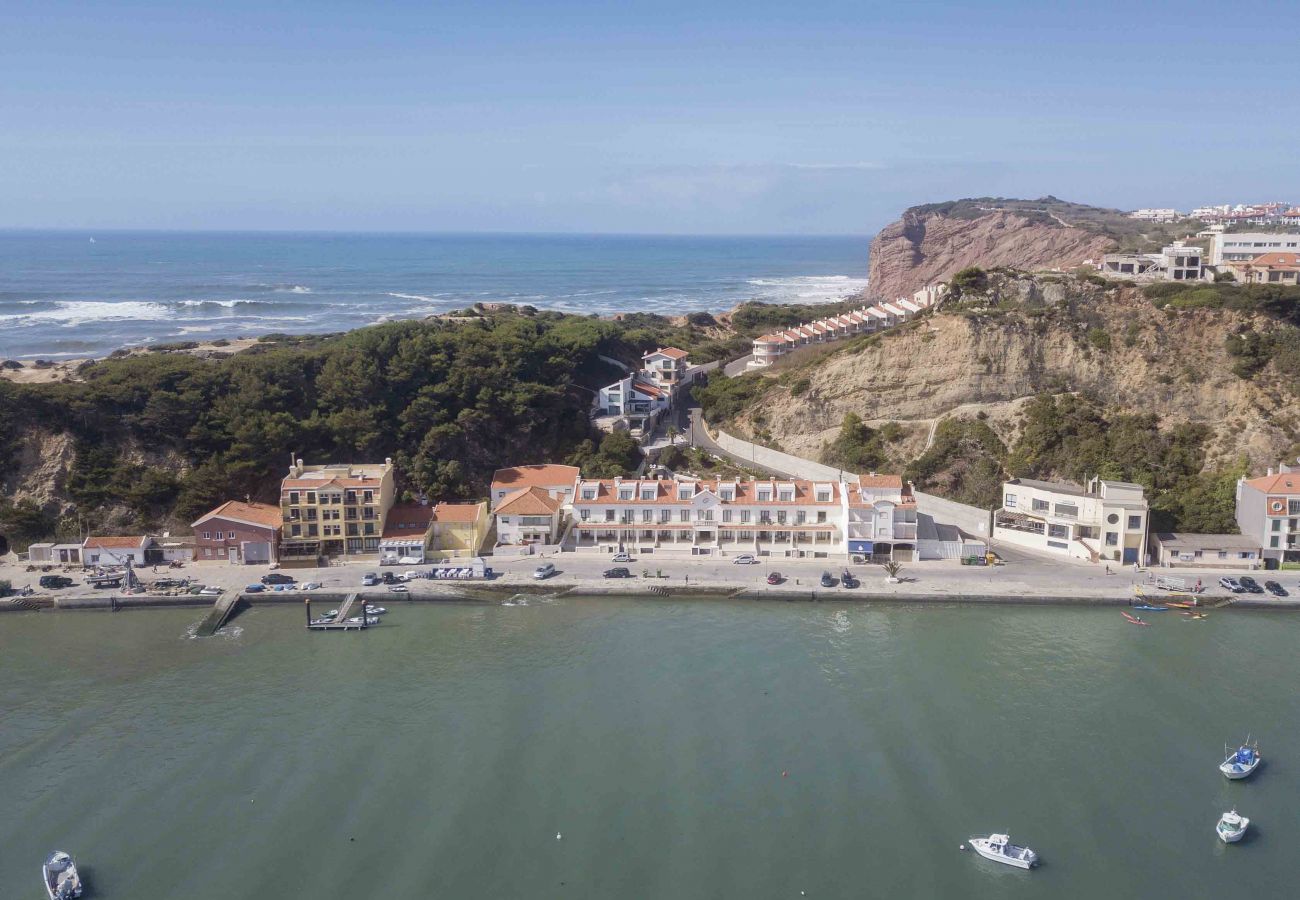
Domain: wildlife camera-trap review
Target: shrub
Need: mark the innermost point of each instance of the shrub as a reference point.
(1099, 338)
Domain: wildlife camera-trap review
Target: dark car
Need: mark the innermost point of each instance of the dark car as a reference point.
(277, 578)
(774, 578)
(1250, 584)
(620, 572)
(847, 580)
(388, 578)
(1275, 589)
(828, 580)
(54, 582)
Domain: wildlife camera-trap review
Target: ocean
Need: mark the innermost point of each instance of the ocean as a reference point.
(72, 294)
(620, 748)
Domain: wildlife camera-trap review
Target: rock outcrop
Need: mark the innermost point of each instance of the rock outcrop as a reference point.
(927, 245)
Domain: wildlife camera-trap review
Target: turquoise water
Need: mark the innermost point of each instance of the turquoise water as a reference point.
(440, 754)
(62, 295)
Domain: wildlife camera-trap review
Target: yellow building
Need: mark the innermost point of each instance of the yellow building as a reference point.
(458, 530)
(334, 510)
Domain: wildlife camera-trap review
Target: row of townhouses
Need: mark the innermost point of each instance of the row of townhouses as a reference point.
(768, 348)
(872, 516)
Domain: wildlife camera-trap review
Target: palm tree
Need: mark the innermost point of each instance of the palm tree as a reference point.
(891, 570)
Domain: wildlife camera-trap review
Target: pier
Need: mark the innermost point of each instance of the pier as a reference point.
(221, 612)
(350, 604)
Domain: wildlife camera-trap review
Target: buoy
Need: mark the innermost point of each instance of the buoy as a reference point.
(961, 847)
(558, 835)
(784, 773)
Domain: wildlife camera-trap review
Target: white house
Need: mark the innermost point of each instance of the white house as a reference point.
(1107, 520)
(1227, 247)
(115, 551)
(634, 403)
(528, 502)
(1268, 511)
(666, 367)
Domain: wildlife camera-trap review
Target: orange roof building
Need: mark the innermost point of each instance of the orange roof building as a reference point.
(1268, 511)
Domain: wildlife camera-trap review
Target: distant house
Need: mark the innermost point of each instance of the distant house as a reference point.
(638, 400)
(238, 532)
(1107, 520)
(406, 532)
(458, 530)
(115, 550)
(665, 367)
(1267, 268)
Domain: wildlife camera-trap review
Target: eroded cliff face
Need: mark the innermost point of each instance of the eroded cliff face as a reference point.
(967, 361)
(926, 247)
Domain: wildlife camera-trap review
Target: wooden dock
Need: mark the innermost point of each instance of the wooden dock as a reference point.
(351, 603)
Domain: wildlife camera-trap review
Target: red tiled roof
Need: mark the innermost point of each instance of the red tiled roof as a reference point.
(1276, 260)
(547, 475)
(670, 352)
(265, 515)
(457, 512)
(531, 501)
(647, 388)
(1282, 483)
(880, 481)
(114, 543)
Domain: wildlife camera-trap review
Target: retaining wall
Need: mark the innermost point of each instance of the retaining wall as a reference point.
(970, 519)
(793, 466)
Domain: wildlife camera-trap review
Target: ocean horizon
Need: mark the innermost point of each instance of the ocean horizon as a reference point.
(75, 293)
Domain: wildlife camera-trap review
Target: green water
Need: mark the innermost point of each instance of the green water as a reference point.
(440, 754)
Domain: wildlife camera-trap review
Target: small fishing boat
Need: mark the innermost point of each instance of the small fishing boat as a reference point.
(375, 610)
(1133, 620)
(998, 847)
(61, 879)
(1242, 762)
(1231, 827)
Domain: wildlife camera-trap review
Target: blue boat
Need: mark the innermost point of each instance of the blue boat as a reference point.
(1242, 762)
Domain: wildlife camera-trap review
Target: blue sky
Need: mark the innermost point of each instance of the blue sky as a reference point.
(725, 117)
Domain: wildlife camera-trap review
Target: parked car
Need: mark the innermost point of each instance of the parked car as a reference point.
(774, 578)
(210, 591)
(398, 589)
(1275, 589)
(410, 575)
(254, 588)
(389, 578)
(545, 570)
(620, 572)
(370, 579)
(277, 578)
(1231, 584)
(310, 586)
(623, 557)
(55, 582)
(847, 580)
(1250, 584)
(828, 580)
(745, 559)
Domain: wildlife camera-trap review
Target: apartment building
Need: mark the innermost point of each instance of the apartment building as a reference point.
(1268, 511)
(1227, 247)
(1106, 520)
(338, 509)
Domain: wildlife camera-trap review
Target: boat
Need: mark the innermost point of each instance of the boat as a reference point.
(1149, 608)
(61, 879)
(1232, 827)
(1133, 620)
(323, 620)
(375, 610)
(1242, 762)
(332, 613)
(1195, 616)
(998, 847)
(357, 620)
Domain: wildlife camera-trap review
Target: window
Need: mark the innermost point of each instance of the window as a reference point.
(295, 531)
(293, 498)
(800, 517)
(647, 493)
(584, 514)
(625, 494)
(1009, 501)
(1040, 505)
(683, 493)
(1273, 542)
(821, 516)
(685, 515)
(1112, 539)
(785, 496)
(1134, 523)
(1067, 510)
(588, 493)
(764, 496)
(1277, 525)
(728, 494)
(1058, 531)
(647, 515)
(311, 496)
(609, 515)
(207, 535)
(368, 496)
(744, 516)
(726, 515)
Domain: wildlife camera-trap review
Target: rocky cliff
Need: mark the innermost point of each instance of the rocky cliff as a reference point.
(930, 243)
(1052, 334)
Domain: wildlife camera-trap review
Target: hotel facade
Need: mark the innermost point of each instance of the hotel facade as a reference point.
(334, 510)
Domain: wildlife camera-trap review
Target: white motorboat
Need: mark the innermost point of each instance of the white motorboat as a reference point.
(61, 879)
(333, 613)
(375, 610)
(1242, 762)
(1231, 827)
(357, 620)
(323, 620)
(998, 847)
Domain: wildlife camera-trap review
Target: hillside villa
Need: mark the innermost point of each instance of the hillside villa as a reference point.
(1106, 520)
(638, 400)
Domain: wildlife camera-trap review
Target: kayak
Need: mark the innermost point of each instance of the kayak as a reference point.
(1195, 616)
(1147, 606)
(1133, 620)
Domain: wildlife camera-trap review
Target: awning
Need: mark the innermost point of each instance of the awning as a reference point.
(860, 546)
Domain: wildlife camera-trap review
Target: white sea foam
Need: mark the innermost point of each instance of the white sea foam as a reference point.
(228, 304)
(420, 298)
(807, 288)
(69, 313)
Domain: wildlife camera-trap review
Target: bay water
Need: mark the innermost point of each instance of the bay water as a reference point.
(69, 294)
(650, 749)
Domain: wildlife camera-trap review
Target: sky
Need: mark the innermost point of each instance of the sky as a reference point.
(695, 118)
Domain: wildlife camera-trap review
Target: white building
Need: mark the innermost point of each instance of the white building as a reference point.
(666, 367)
(528, 502)
(638, 400)
(1268, 511)
(875, 517)
(1175, 262)
(1107, 520)
(1156, 215)
(1227, 247)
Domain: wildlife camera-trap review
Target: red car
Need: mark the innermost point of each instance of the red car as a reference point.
(775, 578)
